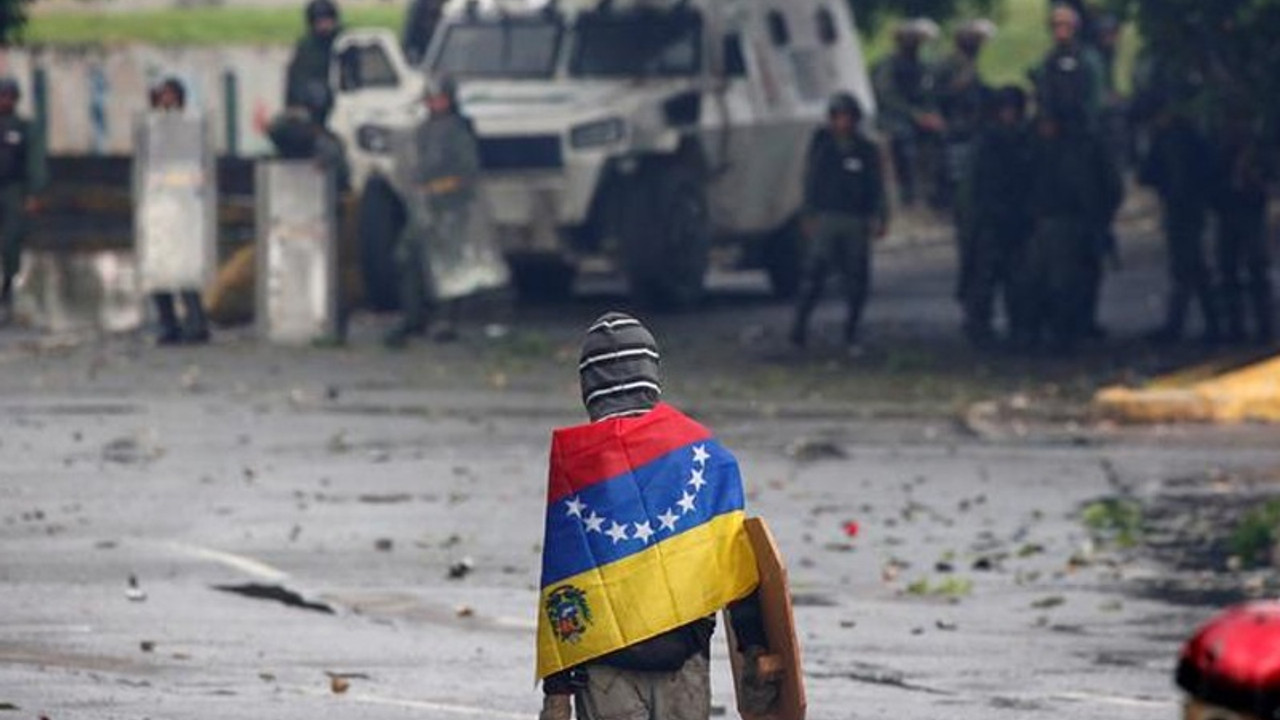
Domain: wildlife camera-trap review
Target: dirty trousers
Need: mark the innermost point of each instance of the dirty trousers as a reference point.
(614, 694)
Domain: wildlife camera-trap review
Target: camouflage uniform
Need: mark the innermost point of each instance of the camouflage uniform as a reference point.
(904, 87)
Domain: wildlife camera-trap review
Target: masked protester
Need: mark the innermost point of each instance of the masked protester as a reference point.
(642, 547)
(314, 52)
(23, 174)
(844, 209)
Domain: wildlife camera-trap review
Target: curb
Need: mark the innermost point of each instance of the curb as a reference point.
(1204, 395)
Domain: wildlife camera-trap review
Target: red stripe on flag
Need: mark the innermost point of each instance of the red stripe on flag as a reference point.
(586, 455)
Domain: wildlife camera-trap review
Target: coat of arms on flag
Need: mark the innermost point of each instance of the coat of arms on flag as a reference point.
(644, 534)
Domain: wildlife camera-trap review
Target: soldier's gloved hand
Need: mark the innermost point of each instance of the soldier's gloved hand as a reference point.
(556, 707)
(759, 692)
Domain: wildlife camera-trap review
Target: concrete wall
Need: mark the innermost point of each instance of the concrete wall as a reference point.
(93, 93)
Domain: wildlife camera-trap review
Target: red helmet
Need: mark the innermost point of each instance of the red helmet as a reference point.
(1234, 661)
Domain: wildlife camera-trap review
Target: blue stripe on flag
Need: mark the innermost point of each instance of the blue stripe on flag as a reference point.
(632, 512)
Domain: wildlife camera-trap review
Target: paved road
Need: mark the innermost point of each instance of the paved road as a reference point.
(357, 478)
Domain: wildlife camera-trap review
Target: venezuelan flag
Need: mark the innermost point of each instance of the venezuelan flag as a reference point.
(644, 534)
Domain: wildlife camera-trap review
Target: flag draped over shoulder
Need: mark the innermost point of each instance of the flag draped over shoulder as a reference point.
(644, 534)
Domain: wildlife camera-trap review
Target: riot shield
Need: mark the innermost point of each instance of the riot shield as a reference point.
(297, 252)
(461, 255)
(175, 202)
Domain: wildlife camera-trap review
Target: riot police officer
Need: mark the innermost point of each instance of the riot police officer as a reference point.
(1243, 172)
(1177, 165)
(844, 209)
(313, 53)
(23, 174)
(997, 193)
(447, 172)
(170, 95)
(904, 87)
(1070, 81)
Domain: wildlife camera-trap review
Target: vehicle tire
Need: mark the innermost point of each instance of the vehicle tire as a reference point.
(784, 258)
(540, 278)
(667, 237)
(382, 220)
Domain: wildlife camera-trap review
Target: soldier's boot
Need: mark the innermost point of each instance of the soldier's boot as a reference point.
(1263, 312)
(196, 328)
(170, 332)
(1209, 311)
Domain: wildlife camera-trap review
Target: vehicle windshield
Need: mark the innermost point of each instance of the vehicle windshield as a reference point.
(512, 48)
(639, 44)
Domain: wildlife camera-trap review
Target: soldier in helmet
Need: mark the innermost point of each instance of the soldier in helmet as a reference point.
(447, 169)
(844, 208)
(22, 174)
(904, 87)
(312, 55)
(1070, 82)
(170, 96)
(997, 193)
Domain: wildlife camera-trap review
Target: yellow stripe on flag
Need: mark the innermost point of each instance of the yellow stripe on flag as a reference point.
(677, 581)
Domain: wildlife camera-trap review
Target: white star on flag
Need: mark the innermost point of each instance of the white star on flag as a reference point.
(617, 532)
(667, 520)
(594, 522)
(576, 507)
(696, 479)
(700, 454)
(643, 532)
(686, 503)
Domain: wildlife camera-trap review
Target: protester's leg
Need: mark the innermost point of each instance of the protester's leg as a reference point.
(12, 234)
(684, 694)
(413, 320)
(613, 694)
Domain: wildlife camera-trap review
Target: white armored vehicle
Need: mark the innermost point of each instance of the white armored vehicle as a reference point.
(643, 136)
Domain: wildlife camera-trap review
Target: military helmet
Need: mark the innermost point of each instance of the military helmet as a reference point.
(920, 29)
(844, 102)
(317, 9)
(980, 29)
(9, 86)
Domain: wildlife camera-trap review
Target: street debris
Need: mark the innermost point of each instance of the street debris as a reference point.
(814, 450)
(338, 684)
(1051, 601)
(147, 646)
(461, 568)
(383, 544)
(277, 593)
(465, 611)
(851, 528)
(133, 592)
(385, 499)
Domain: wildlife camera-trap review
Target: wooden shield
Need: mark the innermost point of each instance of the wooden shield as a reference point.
(783, 659)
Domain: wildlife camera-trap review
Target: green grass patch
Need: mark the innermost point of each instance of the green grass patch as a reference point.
(1114, 521)
(191, 26)
(951, 588)
(1255, 536)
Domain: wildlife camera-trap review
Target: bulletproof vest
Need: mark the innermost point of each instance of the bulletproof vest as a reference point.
(842, 176)
(1064, 83)
(15, 141)
(911, 78)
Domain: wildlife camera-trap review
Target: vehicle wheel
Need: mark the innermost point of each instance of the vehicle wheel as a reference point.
(667, 237)
(783, 259)
(382, 219)
(541, 278)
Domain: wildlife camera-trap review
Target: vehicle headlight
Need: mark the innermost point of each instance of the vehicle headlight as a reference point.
(374, 139)
(598, 133)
